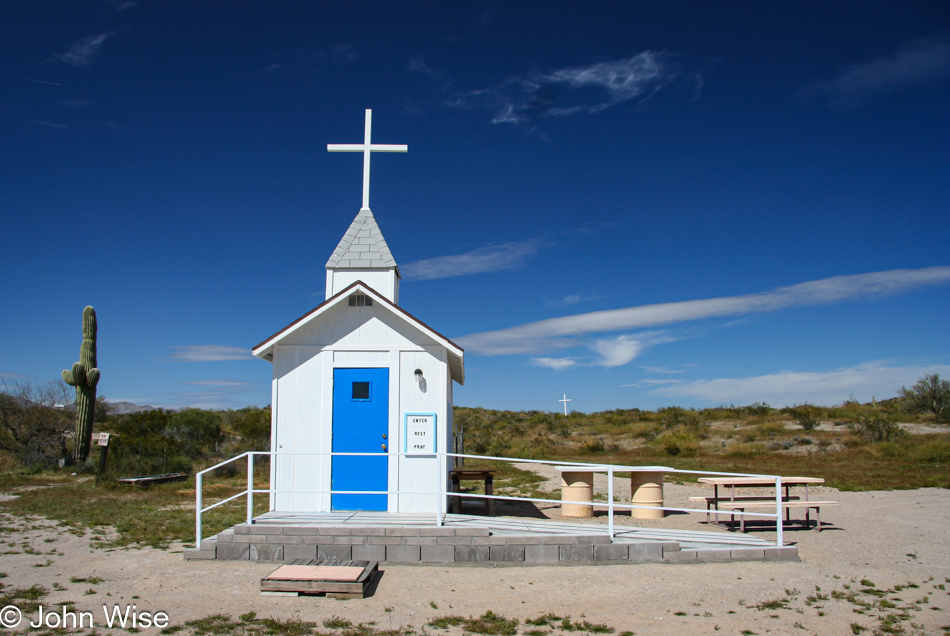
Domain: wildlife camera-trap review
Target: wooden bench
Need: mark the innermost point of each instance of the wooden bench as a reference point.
(457, 475)
(740, 506)
(715, 501)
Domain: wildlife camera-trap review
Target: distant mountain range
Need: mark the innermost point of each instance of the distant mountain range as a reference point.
(124, 408)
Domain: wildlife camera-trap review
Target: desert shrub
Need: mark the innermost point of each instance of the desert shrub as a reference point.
(32, 428)
(770, 429)
(196, 432)
(594, 445)
(805, 414)
(757, 410)
(719, 413)
(929, 395)
(646, 430)
(252, 426)
(872, 426)
(678, 442)
(671, 416)
(849, 411)
(745, 450)
(558, 425)
(162, 441)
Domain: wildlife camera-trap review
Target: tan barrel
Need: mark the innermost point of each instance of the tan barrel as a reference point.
(647, 490)
(577, 486)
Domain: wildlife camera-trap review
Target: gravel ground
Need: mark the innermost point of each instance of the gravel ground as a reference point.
(888, 538)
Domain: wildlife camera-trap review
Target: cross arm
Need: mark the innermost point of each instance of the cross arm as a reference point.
(362, 147)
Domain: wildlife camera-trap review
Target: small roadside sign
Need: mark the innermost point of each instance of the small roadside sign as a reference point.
(103, 439)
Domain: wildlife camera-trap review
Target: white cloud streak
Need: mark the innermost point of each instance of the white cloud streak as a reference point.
(557, 364)
(221, 383)
(786, 388)
(210, 353)
(560, 333)
(662, 370)
(919, 62)
(83, 52)
(569, 91)
(492, 258)
(47, 124)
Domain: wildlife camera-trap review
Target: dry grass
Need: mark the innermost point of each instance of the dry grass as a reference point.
(752, 439)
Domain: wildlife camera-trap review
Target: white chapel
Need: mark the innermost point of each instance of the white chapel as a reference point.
(360, 375)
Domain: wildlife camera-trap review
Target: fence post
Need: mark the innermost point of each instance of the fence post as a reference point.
(610, 502)
(440, 481)
(250, 486)
(779, 539)
(198, 511)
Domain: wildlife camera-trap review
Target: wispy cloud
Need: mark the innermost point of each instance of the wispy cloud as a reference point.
(491, 258)
(569, 331)
(221, 393)
(47, 124)
(558, 364)
(210, 353)
(662, 370)
(649, 383)
(568, 91)
(83, 52)
(919, 62)
(305, 57)
(39, 81)
(573, 299)
(221, 383)
(785, 388)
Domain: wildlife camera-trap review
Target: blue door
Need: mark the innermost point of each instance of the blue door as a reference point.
(360, 425)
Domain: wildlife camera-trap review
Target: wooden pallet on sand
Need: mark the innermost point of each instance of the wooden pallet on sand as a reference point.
(333, 577)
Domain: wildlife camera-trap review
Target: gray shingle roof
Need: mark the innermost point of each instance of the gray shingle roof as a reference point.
(363, 246)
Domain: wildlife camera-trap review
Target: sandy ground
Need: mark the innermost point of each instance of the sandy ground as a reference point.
(888, 538)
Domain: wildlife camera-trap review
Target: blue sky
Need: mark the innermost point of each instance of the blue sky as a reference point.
(636, 204)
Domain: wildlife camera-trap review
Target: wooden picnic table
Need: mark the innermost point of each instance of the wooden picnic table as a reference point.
(734, 482)
(751, 482)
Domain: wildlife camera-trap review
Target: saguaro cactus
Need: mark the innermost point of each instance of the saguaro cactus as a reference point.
(84, 376)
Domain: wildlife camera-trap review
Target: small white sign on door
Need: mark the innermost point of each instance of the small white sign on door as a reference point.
(420, 434)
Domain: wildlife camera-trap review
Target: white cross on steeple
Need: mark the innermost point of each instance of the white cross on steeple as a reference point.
(565, 400)
(366, 148)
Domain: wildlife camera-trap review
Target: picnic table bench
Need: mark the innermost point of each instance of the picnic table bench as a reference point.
(713, 502)
(457, 475)
(740, 506)
(732, 503)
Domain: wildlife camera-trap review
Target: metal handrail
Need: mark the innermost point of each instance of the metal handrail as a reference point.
(442, 492)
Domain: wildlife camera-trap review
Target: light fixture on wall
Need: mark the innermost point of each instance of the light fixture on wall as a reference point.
(418, 374)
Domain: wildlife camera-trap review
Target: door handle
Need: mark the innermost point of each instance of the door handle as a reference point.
(384, 447)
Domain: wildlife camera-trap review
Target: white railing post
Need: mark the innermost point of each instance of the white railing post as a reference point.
(610, 502)
(250, 487)
(198, 509)
(440, 480)
(779, 539)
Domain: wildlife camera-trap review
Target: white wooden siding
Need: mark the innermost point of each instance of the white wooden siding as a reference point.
(422, 474)
(298, 428)
(383, 281)
(343, 326)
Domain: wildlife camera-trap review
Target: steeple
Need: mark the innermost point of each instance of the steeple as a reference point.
(363, 254)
